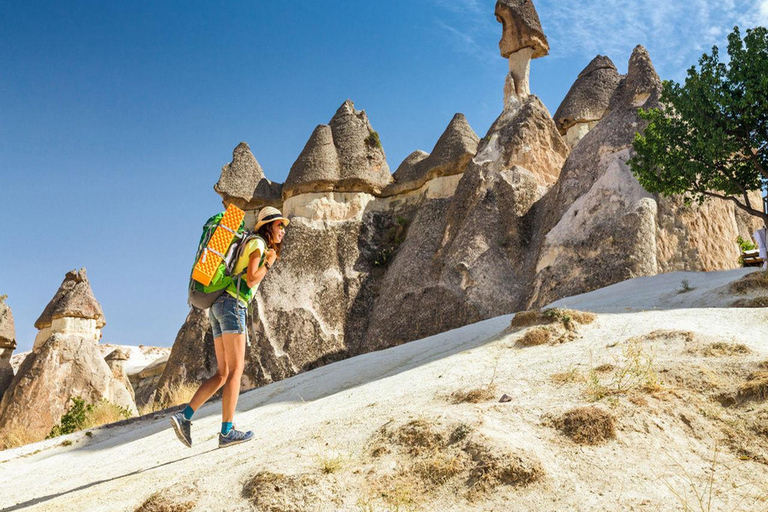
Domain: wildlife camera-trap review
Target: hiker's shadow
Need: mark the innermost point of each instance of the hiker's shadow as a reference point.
(49, 497)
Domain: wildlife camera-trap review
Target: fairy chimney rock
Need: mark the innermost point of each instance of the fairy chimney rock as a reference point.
(242, 182)
(522, 39)
(453, 150)
(587, 100)
(73, 310)
(343, 156)
(7, 344)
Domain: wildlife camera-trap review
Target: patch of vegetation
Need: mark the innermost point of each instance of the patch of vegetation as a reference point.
(756, 387)
(492, 469)
(567, 317)
(474, 396)
(635, 371)
(754, 281)
(331, 463)
(14, 437)
(394, 236)
(722, 348)
(373, 140)
(161, 501)
(276, 492)
(176, 394)
(685, 287)
(535, 336)
(745, 245)
(572, 375)
(460, 433)
(587, 425)
(81, 416)
(755, 302)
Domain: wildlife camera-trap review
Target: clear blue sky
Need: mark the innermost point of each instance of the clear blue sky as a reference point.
(116, 117)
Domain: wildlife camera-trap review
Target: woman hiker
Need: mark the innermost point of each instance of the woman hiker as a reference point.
(227, 317)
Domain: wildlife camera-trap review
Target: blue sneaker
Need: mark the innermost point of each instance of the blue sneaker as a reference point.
(234, 437)
(182, 427)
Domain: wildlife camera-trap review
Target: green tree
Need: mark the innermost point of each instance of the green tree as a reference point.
(710, 136)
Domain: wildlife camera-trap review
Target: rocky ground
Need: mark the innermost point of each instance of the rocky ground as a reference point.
(659, 401)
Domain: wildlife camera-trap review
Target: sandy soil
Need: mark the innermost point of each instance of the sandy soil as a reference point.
(677, 372)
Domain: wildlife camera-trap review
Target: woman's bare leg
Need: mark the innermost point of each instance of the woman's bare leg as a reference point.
(212, 385)
(234, 353)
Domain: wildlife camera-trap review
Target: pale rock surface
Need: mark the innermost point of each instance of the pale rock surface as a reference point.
(342, 156)
(73, 310)
(7, 344)
(116, 361)
(64, 366)
(244, 184)
(335, 413)
(587, 100)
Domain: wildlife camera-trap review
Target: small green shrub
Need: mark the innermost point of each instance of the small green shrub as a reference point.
(685, 287)
(745, 245)
(373, 140)
(73, 420)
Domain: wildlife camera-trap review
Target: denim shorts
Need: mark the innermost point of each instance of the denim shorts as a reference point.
(227, 316)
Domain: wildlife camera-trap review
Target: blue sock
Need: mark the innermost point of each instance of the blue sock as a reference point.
(226, 426)
(188, 412)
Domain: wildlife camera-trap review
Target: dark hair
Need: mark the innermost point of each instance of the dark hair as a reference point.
(266, 233)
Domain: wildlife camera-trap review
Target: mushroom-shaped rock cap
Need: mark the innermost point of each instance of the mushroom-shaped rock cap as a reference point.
(73, 299)
(455, 147)
(119, 354)
(242, 182)
(521, 28)
(7, 329)
(589, 95)
(345, 155)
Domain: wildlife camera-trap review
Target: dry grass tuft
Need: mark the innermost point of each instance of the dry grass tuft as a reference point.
(573, 375)
(14, 437)
(567, 317)
(275, 492)
(669, 335)
(162, 502)
(418, 436)
(756, 387)
(440, 466)
(722, 348)
(178, 394)
(535, 336)
(755, 302)
(605, 368)
(474, 396)
(105, 412)
(493, 468)
(751, 282)
(587, 425)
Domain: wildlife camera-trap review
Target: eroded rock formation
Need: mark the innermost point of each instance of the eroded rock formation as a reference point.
(73, 310)
(7, 344)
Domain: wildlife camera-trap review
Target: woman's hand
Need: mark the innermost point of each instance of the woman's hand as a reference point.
(271, 257)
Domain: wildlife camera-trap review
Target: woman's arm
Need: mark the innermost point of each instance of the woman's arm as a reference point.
(254, 275)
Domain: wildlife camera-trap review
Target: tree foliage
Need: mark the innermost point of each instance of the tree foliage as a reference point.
(710, 136)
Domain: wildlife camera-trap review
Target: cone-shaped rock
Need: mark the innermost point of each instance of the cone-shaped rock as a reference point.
(7, 344)
(343, 156)
(73, 310)
(587, 100)
(242, 182)
(115, 360)
(521, 28)
(453, 150)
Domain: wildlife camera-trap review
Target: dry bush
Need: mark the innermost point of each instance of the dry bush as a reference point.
(14, 437)
(587, 425)
(605, 368)
(161, 501)
(755, 302)
(722, 348)
(668, 335)
(439, 467)
(754, 281)
(535, 336)
(635, 371)
(398, 492)
(756, 387)
(275, 492)
(105, 412)
(567, 317)
(418, 436)
(494, 467)
(474, 396)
